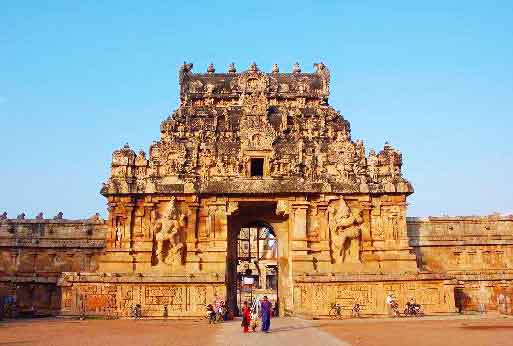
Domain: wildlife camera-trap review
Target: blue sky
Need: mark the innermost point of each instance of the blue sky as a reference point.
(79, 79)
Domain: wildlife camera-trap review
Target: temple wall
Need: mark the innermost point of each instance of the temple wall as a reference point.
(477, 251)
(114, 295)
(315, 295)
(34, 253)
(40, 260)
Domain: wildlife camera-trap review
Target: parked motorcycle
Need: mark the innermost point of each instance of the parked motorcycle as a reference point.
(413, 310)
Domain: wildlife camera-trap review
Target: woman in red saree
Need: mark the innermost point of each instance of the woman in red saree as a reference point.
(246, 317)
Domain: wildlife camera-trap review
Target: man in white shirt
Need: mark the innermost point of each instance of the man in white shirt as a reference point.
(390, 301)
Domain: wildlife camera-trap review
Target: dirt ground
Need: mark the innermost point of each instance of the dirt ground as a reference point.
(382, 332)
(106, 333)
(445, 332)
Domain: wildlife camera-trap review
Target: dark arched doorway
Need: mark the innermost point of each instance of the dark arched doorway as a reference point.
(257, 263)
(254, 260)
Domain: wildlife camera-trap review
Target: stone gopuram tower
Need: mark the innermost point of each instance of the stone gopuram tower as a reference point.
(252, 168)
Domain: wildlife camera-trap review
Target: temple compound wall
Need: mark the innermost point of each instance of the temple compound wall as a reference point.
(34, 253)
(39, 256)
(261, 151)
(476, 251)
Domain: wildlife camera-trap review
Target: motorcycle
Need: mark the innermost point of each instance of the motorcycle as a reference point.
(413, 310)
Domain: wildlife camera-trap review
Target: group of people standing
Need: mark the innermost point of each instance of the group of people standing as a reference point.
(250, 316)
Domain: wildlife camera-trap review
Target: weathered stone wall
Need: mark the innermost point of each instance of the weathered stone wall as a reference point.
(477, 251)
(315, 294)
(34, 253)
(114, 295)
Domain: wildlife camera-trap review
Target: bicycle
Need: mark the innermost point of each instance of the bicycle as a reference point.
(355, 312)
(136, 312)
(336, 312)
(395, 309)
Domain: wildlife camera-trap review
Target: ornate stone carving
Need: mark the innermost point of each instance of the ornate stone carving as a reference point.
(168, 235)
(225, 120)
(282, 208)
(345, 229)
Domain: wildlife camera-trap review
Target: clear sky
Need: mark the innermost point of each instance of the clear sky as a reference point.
(78, 79)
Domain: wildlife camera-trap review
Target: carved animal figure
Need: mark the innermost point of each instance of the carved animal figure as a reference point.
(344, 225)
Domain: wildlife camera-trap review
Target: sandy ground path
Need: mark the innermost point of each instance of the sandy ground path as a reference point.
(56, 332)
(430, 331)
(284, 332)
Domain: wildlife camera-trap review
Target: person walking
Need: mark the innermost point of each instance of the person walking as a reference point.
(265, 311)
(246, 317)
(390, 304)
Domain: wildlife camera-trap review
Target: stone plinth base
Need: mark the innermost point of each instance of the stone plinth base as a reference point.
(315, 294)
(114, 295)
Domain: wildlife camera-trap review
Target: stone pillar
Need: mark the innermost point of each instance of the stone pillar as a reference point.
(128, 225)
(286, 236)
(190, 237)
(299, 239)
(324, 256)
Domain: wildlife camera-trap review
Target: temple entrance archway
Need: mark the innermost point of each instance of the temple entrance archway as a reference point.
(256, 238)
(257, 263)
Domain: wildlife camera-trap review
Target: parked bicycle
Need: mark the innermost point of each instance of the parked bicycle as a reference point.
(136, 312)
(336, 312)
(355, 312)
(210, 314)
(395, 309)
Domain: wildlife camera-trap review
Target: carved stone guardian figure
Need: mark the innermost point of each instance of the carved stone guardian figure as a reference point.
(168, 229)
(345, 228)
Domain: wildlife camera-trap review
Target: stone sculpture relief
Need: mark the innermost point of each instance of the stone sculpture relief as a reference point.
(345, 229)
(167, 232)
(226, 119)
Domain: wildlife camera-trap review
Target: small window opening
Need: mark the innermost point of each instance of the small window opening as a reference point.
(257, 167)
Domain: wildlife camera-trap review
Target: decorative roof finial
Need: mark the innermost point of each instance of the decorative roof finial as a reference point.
(296, 68)
(186, 67)
(126, 146)
(211, 68)
(231, 68)
(253, 67)
(3, 216)
(319, 67)
(275, 69)
(39, 216)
